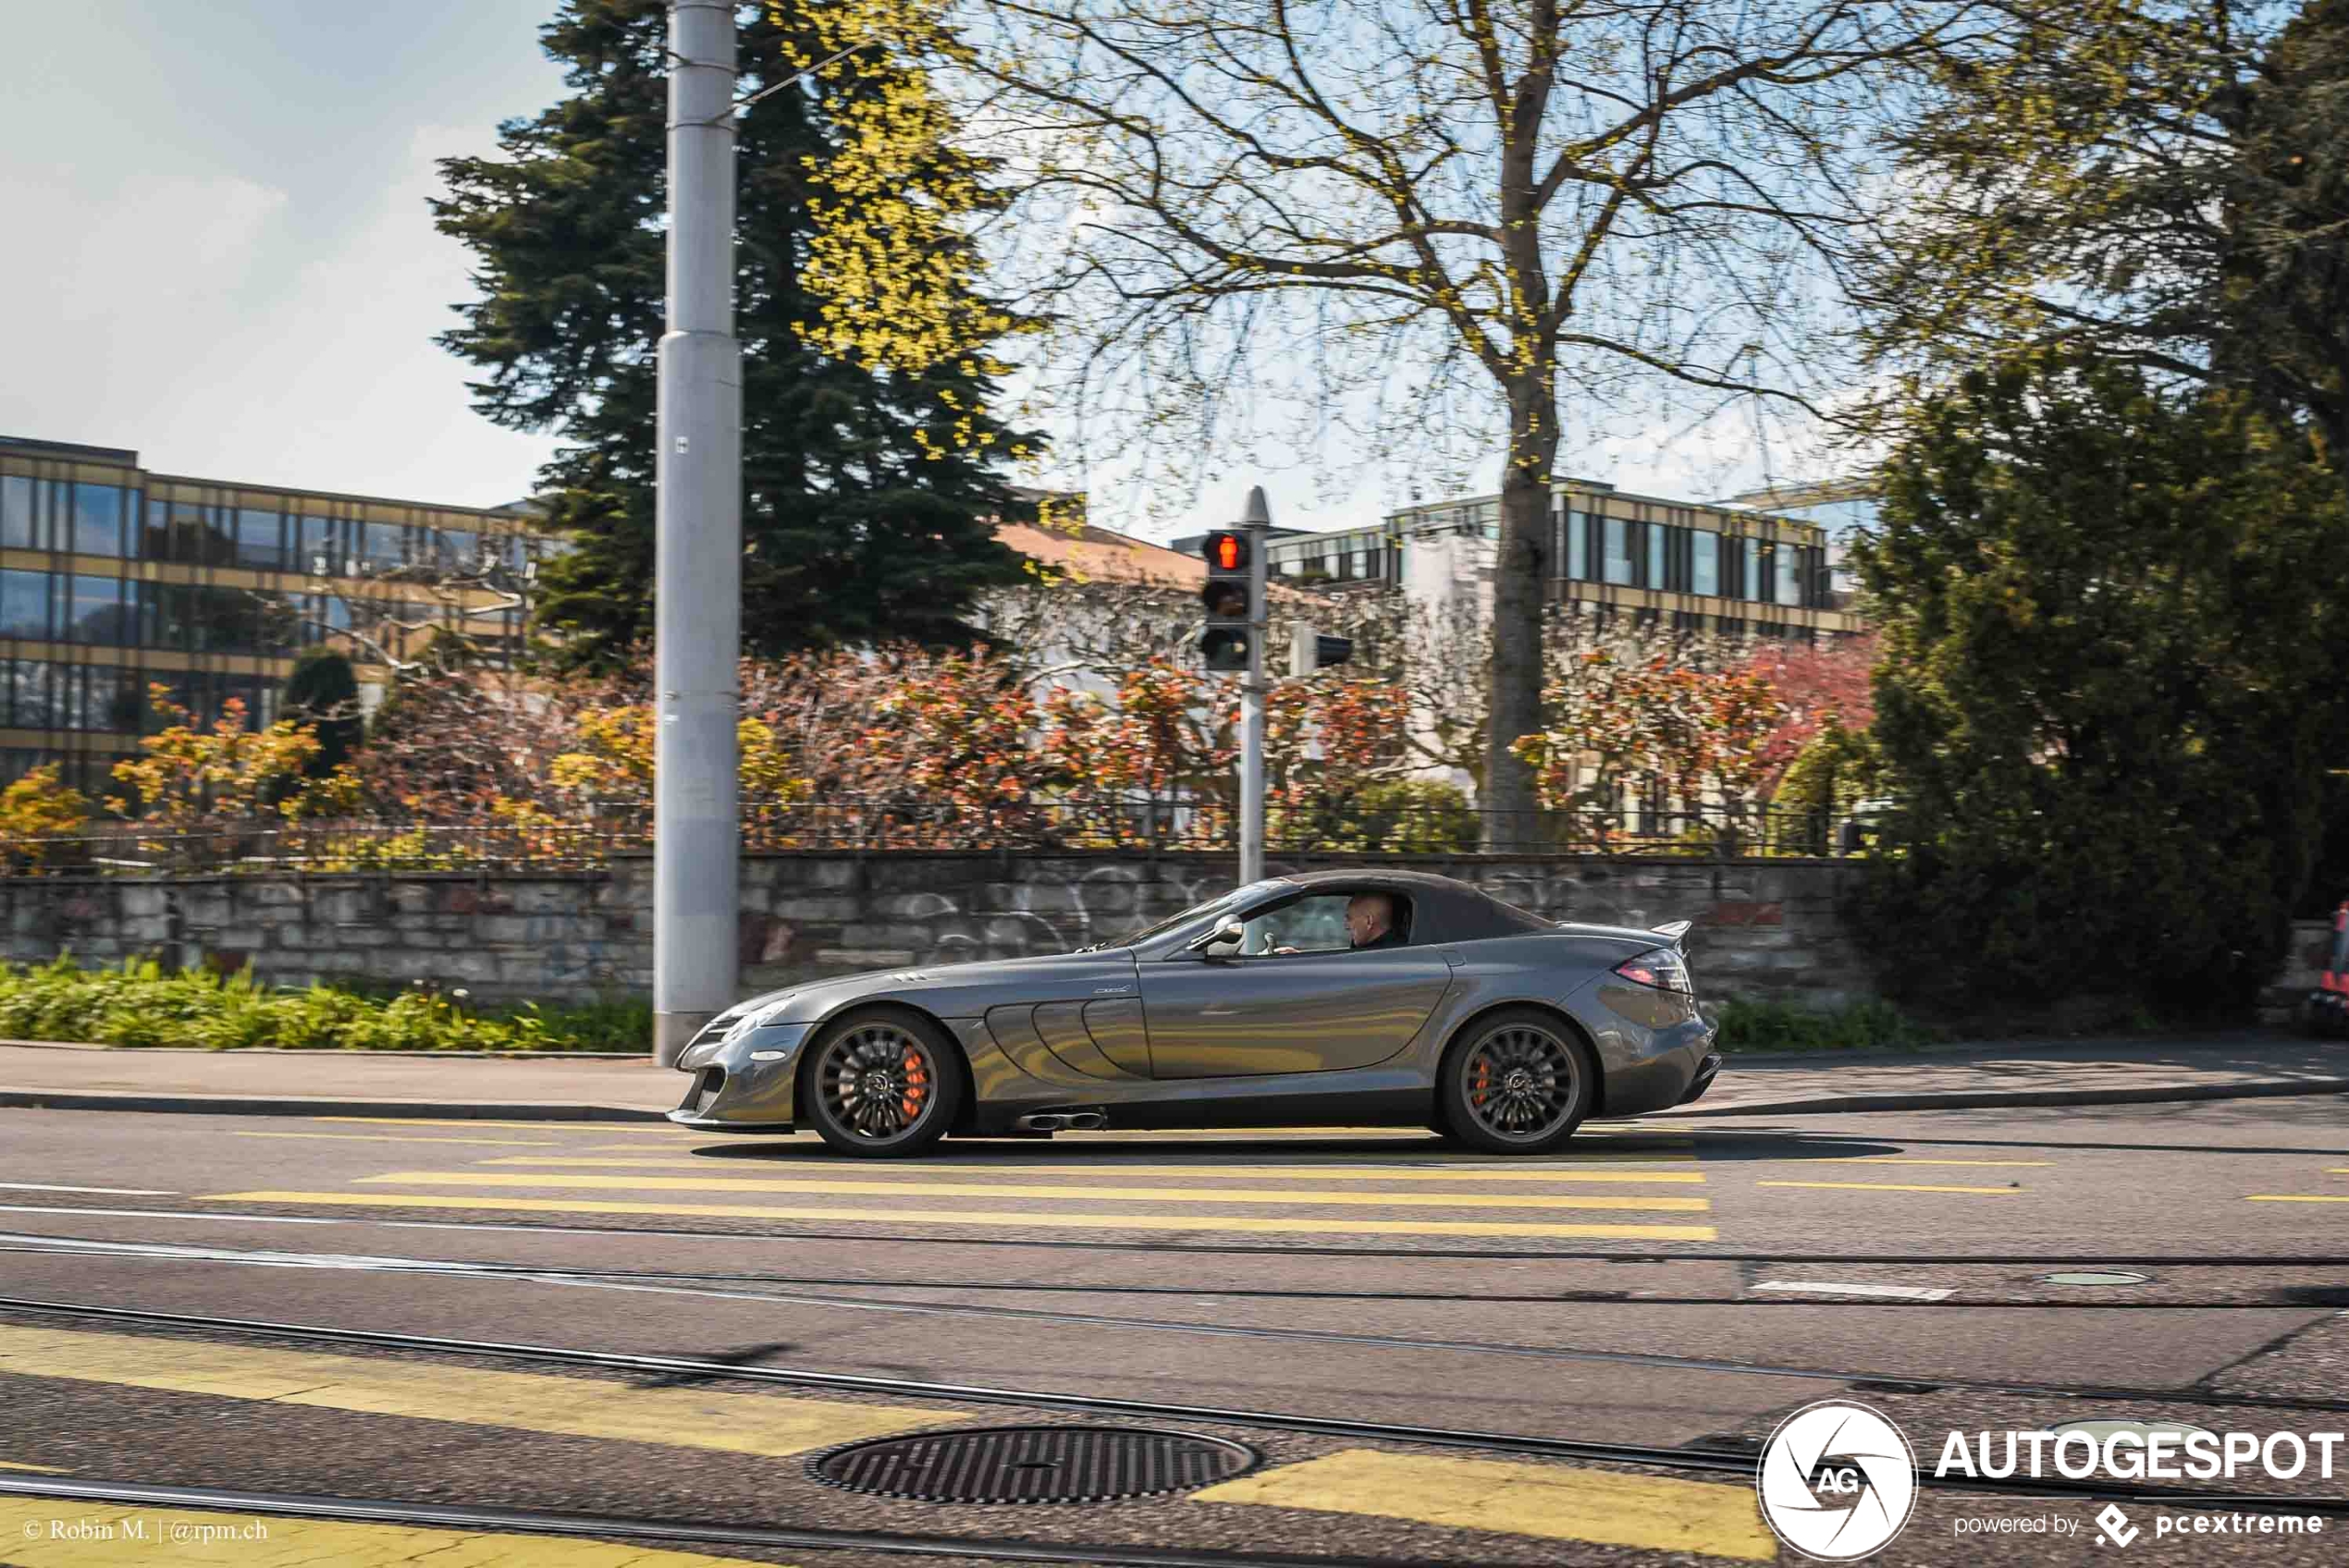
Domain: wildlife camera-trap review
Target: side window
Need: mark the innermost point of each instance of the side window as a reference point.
(1312, 924)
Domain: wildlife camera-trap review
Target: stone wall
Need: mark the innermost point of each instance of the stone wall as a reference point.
(1763, 929)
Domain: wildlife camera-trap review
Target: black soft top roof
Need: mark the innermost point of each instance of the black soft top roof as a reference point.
(1443, 910)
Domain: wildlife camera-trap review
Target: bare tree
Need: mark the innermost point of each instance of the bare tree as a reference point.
(1436, 220)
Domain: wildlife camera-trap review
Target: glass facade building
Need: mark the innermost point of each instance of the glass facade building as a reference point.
(1727, 568)
(114, 580)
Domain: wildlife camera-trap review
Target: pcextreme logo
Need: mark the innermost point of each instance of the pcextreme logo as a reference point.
(1836, 1481)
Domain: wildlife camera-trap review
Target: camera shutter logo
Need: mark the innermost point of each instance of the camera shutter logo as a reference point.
(1836, 1481)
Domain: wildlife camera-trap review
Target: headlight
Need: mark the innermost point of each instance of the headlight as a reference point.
(757, 1018)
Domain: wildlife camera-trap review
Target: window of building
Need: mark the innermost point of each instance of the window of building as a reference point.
(102, 615)
(19, 519)
(99, 513)
(1790, 582)
(260, 539)
(380, 546)
(26, 694)
(1752, 587)
(1706, 556)
(1656, 555)
(1618, 551)
(24, 604)
(1578, 546)
(461, 550)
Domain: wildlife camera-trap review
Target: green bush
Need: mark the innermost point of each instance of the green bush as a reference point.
(138, 1004)
(1780, 1026)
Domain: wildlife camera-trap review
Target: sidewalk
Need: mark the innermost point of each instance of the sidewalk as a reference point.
(2243, 1066)
(2248, 1065)
(506, 1088)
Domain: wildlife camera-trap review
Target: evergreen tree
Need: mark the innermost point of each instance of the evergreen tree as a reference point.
(323, 691)
(2116, 667)
(869, 492)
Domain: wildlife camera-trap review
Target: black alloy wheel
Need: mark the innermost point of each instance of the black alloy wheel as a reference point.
(1517, 1083)
(882, 1083)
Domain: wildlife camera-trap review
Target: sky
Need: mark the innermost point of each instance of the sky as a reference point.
(222, 257)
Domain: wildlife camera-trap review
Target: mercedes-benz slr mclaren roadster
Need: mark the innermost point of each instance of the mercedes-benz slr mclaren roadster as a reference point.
(1339, 998)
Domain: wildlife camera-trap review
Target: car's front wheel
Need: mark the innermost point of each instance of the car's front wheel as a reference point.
(882, 1083)
(1518, 1081)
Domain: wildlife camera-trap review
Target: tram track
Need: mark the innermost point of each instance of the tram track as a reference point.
(36, 1243)
(1715, 1460)
(669, 1532)
(1213, 1249)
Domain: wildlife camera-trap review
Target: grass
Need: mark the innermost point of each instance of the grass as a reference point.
(1780, 1026)
(139, 1004)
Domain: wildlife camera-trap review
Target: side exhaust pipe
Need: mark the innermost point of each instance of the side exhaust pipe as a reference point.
(1086, 1122)
(1049, 1122)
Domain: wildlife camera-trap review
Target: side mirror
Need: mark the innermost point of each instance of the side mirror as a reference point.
(1231, 931)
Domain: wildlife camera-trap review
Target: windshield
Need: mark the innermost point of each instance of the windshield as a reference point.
(1200, 912)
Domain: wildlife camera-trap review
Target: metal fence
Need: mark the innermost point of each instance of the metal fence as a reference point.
(1335, 827)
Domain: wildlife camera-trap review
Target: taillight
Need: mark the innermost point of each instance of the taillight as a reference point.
(1662, 967)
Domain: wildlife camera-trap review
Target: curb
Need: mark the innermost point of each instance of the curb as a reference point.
(257, 1105)
(1996, 1099)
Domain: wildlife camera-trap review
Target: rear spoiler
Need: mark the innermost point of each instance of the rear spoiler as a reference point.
(1672, 930)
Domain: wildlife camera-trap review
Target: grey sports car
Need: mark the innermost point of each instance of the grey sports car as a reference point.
(1338, 998)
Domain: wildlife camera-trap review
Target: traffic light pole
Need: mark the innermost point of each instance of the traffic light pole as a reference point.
(698, 548)
(1256, 523)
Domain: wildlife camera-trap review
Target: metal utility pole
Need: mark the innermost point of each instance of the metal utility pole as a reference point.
(697, 562)
(1256, 523)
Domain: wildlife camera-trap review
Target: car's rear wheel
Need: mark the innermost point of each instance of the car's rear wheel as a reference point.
(1518, 1081)
(883, 1083)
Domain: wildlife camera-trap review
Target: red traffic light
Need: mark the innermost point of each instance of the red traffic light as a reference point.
(1225, 552)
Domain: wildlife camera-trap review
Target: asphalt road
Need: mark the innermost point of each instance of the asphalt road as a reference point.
(1674, 1286)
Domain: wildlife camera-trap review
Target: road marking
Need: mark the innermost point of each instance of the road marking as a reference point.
(605, 1128)
(187, 1536)
(114, 1192)
(396, 1138)
(1002, 1190)
(1821, 1287)
(1029, 1218)
(770, 1427)
(1234, 1172)
(35, 1469)
(1891, 1187)
(1888, 1159)
(2296, 1197)
(1555, 1502)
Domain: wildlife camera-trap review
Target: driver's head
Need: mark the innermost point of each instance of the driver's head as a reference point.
(1369, 917)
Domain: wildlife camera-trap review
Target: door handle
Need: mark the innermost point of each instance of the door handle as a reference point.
(1217, 1011)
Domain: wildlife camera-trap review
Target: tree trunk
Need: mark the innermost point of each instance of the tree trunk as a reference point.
(1519, 574)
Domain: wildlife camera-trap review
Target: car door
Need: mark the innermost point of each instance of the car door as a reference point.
(1319, 1009)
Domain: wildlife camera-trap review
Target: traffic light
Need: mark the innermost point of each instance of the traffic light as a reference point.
(1310, 650)
(1229, 599)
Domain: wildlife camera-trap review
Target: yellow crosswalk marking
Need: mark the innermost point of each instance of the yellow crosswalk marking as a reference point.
(2297, 1197)
(1556, 1503)
(1892, 1187)
(396, 1138)
(1031, 1219)
(1888, 1159)
(1234, 1172)
(601, 1129)
(729, 1422)
(1008, 1190)
(71, 1533)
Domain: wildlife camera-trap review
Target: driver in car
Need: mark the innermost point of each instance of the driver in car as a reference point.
(1370, 923)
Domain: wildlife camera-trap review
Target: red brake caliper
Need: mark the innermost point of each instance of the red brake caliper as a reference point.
(917, 1083)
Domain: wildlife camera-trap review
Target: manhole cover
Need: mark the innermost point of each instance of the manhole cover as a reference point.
(1034, 1465)
(2095, 1277)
